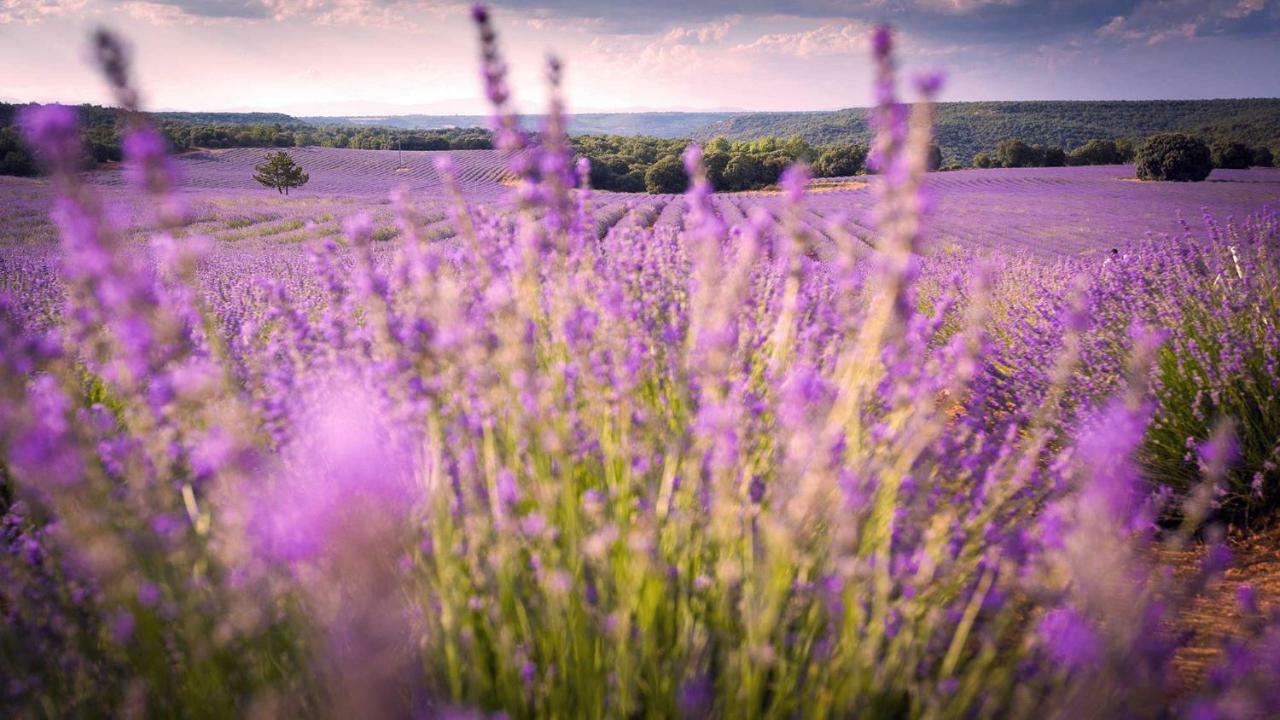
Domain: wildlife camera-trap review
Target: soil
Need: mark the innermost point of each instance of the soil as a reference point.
(1215, 615)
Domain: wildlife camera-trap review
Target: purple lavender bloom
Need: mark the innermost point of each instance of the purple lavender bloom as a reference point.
(349, 477)
(882, 41)
(1069, 639)
(930, 83)
(147, 162)
(54, 133)
(122, 626)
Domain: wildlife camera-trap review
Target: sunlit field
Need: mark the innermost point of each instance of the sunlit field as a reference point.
(449, 434)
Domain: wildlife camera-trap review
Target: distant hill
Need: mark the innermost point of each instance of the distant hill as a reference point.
(655, 124)
(964, 129)
(228, 118)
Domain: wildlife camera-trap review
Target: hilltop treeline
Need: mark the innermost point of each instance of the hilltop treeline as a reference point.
(185, 131)
(749, 151)
(186, 135)
(1014, 153)
(966, 129)
(647, 164)
(653, 165)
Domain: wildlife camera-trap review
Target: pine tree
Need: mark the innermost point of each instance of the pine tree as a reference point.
(280, 172)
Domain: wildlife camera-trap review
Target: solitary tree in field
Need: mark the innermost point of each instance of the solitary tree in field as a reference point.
(280, 172)
(1173, 156)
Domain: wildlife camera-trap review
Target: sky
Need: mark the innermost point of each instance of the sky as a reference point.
(377, 57)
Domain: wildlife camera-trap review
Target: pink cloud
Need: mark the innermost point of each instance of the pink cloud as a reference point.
(825, 40)
(28, 12)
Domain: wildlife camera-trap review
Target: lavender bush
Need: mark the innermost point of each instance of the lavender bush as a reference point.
(560, 467)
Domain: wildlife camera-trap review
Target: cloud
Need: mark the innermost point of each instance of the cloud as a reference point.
(960, 7)
(1152, 22)
(706, 34)
(165, 12)
(1244, 8)
(825, 40)
(321, 11)
(28, 12)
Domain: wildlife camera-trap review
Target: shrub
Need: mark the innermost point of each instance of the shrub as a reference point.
(982, 160)
(1218, 303)
(1175, 157)
(385, 233)
(1262, 157)
(1232, 156)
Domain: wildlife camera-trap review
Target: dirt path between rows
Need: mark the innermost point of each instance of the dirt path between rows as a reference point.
(1215, 615)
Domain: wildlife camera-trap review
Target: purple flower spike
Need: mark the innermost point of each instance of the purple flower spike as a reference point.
(1069, 639)
(358, 228)
(1247, 599)
(692, 157)
(882, 41)
(930, 83)
(794, 181)
(54, 133)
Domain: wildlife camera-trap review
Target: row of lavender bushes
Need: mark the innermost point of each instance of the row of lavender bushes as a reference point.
(663, 474)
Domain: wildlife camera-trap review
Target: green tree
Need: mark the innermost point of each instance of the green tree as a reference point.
(772, 168)
(1174, 156)
(280, 172)
(14, 157)
(743, 172)
(1232, 155)
(933, 161)
(840, 160)
(1128, 151)
(1262, 157)
(667, 175)
(1053, 156)
(715, 162)
(1012, 153)
(1096, 152)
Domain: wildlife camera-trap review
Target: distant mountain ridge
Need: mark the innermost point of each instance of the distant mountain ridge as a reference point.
(962, 129)
(656, 124)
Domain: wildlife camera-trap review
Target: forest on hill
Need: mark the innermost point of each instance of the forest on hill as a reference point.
(965, 132)
(100, 133)
(965, 129)
(669, 125)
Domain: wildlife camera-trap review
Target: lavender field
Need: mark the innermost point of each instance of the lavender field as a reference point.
(1048, 212)
(451, 435)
